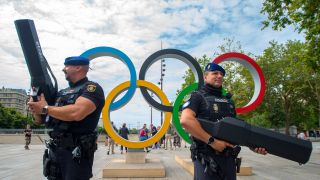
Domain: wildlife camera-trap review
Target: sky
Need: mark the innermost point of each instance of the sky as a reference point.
(138, 28)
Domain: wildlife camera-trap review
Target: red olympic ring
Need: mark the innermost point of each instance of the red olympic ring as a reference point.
(257, 74)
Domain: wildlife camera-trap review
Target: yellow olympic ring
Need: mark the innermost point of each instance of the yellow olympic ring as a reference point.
(115, 136)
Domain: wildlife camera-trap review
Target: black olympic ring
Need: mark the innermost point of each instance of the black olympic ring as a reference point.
(168, 53)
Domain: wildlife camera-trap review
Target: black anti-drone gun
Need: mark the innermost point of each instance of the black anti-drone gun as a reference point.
(38, 66)
(239, 132)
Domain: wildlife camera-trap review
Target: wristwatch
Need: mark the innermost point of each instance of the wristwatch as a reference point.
(45, 110)
(210, 140)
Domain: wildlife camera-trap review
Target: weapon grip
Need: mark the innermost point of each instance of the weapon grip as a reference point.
(34, 93)
(34, 98)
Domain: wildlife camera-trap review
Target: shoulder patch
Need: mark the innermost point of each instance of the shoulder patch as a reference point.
(186, 104)
(91, 87)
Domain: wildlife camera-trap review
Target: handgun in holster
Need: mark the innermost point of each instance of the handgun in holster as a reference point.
(46, 163)
(238, 164)
(235, 152)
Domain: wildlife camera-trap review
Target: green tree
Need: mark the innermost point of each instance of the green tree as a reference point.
(286, 100)
(10, 118)
(101, 130)
(304, 15)
(229, 45)
(133, 131)
(189, 77)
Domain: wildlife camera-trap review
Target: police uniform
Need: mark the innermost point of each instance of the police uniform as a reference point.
(210, 103)
(71, 148)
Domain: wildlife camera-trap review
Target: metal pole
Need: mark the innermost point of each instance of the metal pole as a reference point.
(151, 109)
(161, 84)
(151, 113)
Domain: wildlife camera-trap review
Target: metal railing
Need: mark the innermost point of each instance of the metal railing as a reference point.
(21, 131)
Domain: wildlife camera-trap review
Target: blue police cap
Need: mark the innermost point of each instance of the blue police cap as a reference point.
(214, 67)
(76, 60)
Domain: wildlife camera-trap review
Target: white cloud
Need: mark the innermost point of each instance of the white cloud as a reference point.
(137, 27)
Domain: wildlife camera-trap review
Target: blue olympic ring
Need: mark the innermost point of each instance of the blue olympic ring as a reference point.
(109, 51)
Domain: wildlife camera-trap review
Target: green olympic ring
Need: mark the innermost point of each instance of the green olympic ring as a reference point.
(175, 113)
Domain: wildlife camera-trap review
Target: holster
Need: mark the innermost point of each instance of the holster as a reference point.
(46, 163)
(51, 170)
(207, 157)
(234, 152)
(88, 144)
(238, 164)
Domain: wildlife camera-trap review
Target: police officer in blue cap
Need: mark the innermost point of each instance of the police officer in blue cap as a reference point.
(212, 158)
(74, 118)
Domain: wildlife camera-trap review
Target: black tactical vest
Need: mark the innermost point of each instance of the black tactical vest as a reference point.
(65, 97)
(217, 107)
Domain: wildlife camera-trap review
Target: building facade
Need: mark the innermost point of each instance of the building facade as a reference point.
(14, 98)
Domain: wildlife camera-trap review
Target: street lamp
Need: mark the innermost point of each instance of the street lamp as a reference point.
(162, 70)
(27, 100)
(151, 110)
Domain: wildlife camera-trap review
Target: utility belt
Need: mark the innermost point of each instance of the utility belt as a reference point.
(208, 157)
(197, 146)
(70, 141)
(61, 140)
(82, 146)
(66, 140)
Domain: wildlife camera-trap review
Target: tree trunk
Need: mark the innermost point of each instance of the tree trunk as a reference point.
(287, 122)
(286, 107)
(319, 110)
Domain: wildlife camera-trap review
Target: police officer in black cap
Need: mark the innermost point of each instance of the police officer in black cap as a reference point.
(212, 158)
(74, 118)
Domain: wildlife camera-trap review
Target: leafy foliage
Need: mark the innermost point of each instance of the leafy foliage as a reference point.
(304, 15)
(10, 118)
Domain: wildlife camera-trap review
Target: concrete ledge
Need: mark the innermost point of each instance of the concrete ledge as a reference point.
(119, 169)
(187, 164)
(136, 157)
(245, 170)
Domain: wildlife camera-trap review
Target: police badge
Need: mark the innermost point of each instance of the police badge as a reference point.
(91, 87)
(208, 67)
(215, 108)
(186, 104)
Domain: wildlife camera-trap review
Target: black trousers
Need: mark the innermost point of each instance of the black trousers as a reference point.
(71, 169)
(226, 165)
(121, 147)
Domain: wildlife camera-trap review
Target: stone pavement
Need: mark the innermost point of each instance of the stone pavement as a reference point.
(17, 163)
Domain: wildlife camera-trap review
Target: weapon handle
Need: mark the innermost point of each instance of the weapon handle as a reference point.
(35, 93)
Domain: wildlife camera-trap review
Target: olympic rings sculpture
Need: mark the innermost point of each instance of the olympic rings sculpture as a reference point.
(131, 85)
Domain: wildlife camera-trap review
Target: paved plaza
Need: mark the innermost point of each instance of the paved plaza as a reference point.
(17, 163)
